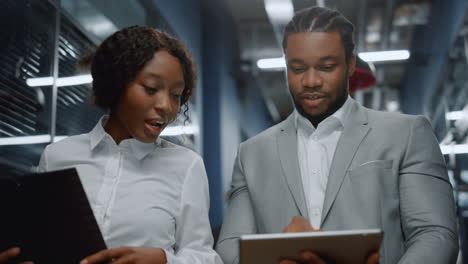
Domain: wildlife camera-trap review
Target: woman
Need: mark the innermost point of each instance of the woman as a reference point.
(149, 196)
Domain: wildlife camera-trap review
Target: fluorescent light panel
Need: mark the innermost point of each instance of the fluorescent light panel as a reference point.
(455, 149)
(272, 63)
(58, 138)
(63, 81)
(455, 115)
(4, 141)
(279, 10)
(168, 131)
(391, 55)
(321, 3)
(179, 130)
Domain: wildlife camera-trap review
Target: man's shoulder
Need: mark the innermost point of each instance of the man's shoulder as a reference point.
(384, 118)
(267, 135)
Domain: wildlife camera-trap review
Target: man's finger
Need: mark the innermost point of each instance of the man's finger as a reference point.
(9, 254)
(106, 255)
(287, 261)
(373, 259)
(309, 257)
(298, 224)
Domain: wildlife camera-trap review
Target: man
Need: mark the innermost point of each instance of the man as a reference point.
(335, 165)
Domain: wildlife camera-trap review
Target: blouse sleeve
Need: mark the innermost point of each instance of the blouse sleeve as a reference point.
(194, 240)
(42, 167)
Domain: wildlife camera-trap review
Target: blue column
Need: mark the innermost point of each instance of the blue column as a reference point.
(430, 48)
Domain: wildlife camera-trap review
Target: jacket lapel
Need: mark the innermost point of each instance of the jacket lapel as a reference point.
(355, 130)
(287, 151)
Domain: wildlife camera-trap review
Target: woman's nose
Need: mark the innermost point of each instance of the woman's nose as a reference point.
(164, 104)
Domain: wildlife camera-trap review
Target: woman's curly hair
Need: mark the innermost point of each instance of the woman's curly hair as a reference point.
(121, 56)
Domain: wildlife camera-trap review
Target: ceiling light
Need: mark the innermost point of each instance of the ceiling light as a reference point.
(272, 63)
(179, 130)
(455, 115)
(4, 141)
(391, 55)
(454, 149)
(279, 10)
(168, 131)
(392, 106)
(278, 63)
(63, 81)
(321, 3)
(58, 138)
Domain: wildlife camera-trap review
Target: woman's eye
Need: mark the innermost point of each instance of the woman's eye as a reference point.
(177, 96)
(150, 90)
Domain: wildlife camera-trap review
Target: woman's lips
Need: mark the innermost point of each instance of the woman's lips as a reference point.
(153, 127)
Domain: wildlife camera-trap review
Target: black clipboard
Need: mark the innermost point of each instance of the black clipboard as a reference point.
(342, 247)
(49, 216)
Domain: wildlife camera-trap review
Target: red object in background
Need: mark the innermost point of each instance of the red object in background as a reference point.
(362, 78)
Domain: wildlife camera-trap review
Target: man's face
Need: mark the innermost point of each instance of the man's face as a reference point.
(318, 73)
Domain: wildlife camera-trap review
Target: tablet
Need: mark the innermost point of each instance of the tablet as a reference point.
(341, 247)
(49, 216)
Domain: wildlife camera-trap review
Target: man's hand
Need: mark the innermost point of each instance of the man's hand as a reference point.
(128, 255)
(373, 258)
(299, 224)
(308, 257)
(10, 254)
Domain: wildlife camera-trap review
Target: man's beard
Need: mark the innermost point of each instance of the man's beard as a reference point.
(333, 107)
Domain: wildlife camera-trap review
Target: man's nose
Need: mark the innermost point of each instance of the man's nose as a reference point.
(312, 78)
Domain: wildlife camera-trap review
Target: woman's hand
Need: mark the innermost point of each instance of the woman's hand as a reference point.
(130, 255)
(10, 254)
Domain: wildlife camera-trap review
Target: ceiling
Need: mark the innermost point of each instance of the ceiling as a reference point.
(379, 24)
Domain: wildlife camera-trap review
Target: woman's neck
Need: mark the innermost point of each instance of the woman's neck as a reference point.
(116, 129)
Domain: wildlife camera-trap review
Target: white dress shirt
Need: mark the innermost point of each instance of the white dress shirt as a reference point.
(142, 194)
(316, 147)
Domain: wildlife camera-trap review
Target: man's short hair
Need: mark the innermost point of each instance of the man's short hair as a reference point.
(320, 19)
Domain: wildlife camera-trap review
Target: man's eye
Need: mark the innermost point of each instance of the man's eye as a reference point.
(327, 68)
(297, 69)
(177, 96)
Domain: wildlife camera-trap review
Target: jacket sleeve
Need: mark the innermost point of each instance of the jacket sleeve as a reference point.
(426, 200)
(239, 218)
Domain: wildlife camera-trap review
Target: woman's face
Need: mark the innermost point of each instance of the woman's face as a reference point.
(150, 102)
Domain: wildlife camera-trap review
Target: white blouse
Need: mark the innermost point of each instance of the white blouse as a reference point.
(142, 194)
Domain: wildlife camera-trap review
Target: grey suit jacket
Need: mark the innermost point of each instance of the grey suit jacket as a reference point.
(387, 172)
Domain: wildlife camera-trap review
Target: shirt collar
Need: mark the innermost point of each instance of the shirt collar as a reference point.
(139, 149)
(340, 116)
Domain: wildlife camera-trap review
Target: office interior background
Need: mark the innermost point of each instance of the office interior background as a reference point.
(241, 89)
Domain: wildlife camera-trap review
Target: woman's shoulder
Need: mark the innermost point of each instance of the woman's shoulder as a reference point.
(178, 150)
(67, 146)
(69, 142)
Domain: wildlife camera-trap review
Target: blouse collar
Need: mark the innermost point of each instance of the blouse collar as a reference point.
(139, 149)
